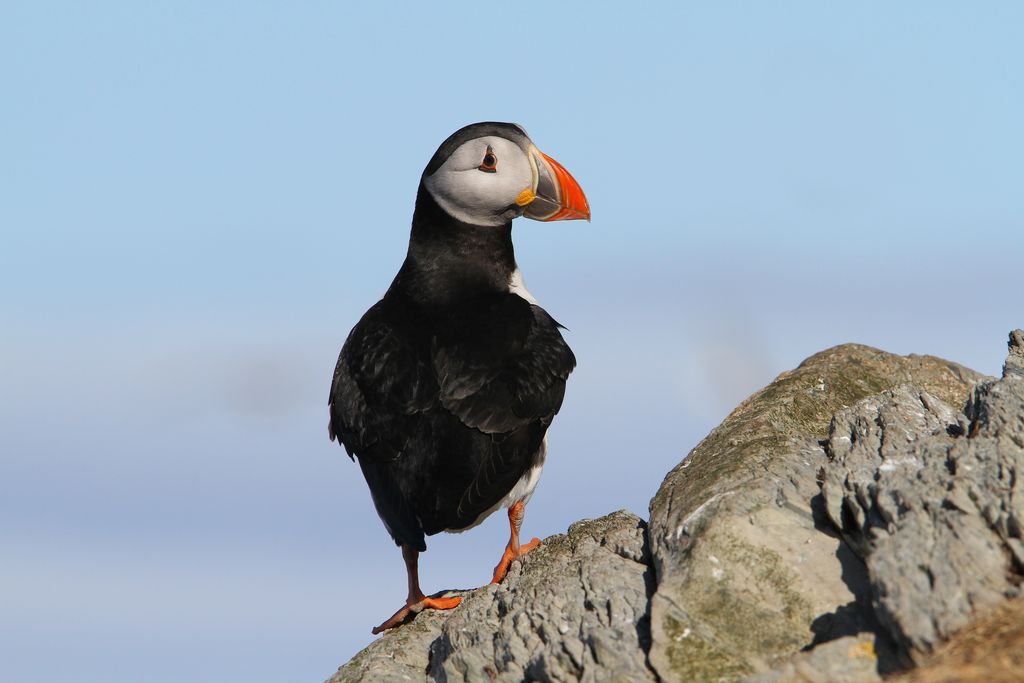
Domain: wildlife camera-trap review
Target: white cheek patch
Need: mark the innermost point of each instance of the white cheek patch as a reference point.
(479, 197)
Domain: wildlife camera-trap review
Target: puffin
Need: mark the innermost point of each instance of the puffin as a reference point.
(444, 390)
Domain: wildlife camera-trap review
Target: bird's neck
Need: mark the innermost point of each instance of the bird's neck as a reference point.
(450, 261)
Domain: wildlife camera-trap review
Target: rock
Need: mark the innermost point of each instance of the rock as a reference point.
(837, 526)
(850, 659)
(399, 656)
(1014, 366)
(576, 612)
(991, 650)
(748, 574)
(933, 501)
(575, 609)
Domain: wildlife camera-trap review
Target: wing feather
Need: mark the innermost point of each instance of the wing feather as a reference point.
(381, 384)
(503, 366)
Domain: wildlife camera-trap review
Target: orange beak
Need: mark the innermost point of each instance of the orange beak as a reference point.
(558, 196)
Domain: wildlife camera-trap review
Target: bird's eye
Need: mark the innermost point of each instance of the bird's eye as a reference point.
(490, 162)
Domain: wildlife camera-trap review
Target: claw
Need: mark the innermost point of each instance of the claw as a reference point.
(417, 601)
(513, 551)
(511, 554)
(403, 614)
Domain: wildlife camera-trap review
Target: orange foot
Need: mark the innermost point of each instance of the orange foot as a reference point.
(512, 553)
(415, 608)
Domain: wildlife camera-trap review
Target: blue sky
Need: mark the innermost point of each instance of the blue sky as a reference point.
(198, 200)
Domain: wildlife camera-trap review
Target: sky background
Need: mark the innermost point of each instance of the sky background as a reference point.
(199, 199)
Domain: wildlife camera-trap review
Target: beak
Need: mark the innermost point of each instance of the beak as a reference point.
(558, 196)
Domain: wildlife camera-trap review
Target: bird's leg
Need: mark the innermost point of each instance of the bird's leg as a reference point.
(513, 551)
(416, 602)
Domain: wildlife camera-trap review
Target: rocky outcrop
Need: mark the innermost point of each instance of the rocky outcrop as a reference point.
(933, 501)
(575, 610)
(838, 525)
(748, 571)
(579, 613)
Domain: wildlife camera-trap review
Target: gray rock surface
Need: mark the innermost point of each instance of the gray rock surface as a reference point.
(933, 500)
(573, 610)
(399, 656)
(577, 611)
(850, 659)
(839, 522)
(748, 572)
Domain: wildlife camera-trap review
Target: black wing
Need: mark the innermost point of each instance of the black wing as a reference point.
(381, 391)
(501, 369)
(502, 365)
(382, 382)
(446, 415)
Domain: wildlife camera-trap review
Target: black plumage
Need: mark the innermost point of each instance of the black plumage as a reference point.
(444, 390)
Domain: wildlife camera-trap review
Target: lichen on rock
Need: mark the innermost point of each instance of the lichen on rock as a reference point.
(792, 584)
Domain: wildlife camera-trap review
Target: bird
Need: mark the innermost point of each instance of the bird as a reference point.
(444, 390)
